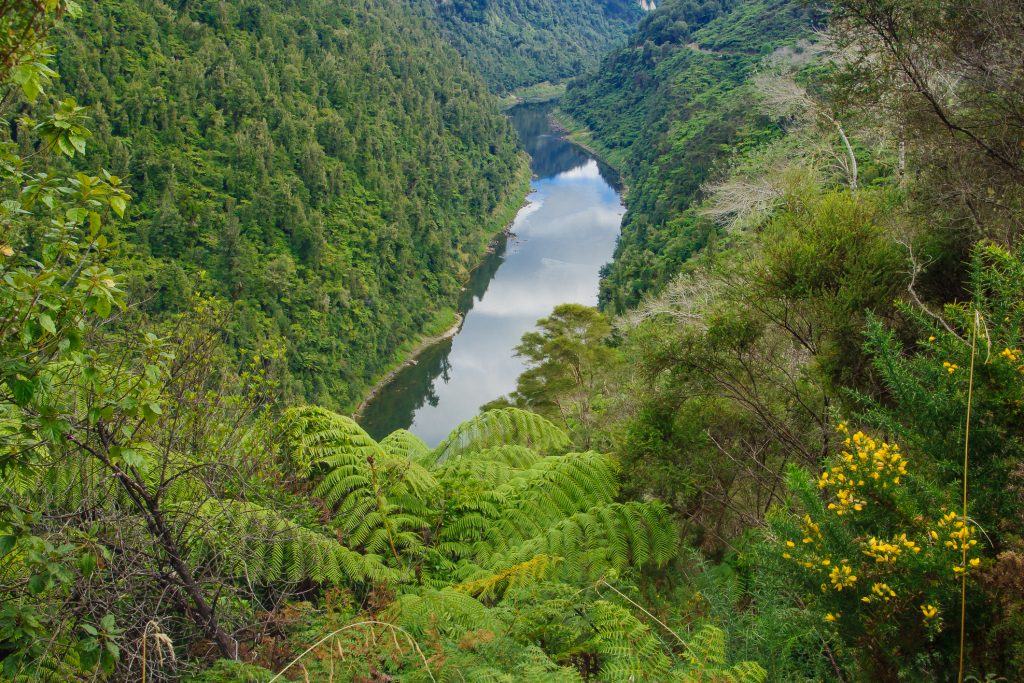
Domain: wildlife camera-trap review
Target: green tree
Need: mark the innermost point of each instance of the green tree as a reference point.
(568, 362)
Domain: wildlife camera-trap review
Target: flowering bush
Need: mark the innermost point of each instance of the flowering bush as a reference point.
(877, 549)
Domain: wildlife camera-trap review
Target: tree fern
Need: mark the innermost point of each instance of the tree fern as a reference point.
(609, 536)
(446, 610)
(404, 444)
(377, 496)
(261, 546)
(502, 427)
(492, 466)
(313, 434)
(516, 457)
(539, 497)
(494, 586)
(705, 660)
(471, 641)
(626, 647)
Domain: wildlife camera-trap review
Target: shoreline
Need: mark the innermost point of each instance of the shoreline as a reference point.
(571, 134)
(410, 359)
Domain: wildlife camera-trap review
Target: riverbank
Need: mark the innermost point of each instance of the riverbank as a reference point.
(563, 239)
(544, 91)
(578, 134)
(447, 321)
(422, 345)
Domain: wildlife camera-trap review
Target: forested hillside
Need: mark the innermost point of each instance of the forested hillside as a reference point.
(330, 168)
(663, 108)
(517, 43)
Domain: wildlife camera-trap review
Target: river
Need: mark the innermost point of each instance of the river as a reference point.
(559, 242)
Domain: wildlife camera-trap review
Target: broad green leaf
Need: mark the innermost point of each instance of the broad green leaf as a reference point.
(47, 323)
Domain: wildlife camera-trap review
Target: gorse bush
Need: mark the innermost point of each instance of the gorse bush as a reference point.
(881, 555)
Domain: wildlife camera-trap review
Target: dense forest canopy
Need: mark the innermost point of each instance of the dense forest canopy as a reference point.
(518, 43)
(329, 167)
(788, 448)
(663, 108)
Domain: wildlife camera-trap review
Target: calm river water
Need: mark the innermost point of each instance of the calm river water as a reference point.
(561, 240)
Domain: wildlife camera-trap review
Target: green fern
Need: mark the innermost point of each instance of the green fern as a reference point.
(610, 536)
(706, 660)
(404, 444)
(447, 611)
(495, 585)
(627, 649)
(536, 499)
(260, 546)
(502, 427)
(378, 497)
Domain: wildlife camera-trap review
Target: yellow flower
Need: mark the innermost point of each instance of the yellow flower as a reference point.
(929, 611)
(883, 551)
(950, 367)
(790, 544)
(975, 561)
(883, 590)
(831, 617)
(931, 338)
(6, 250)
(842, 577)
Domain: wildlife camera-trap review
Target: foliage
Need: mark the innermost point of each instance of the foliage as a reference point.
(162, 510)
(947, 76)
(567, 364)
(482, 534)
(515, 43)
(824, 261)
(329, 168)
(662, 109)
(883, 553)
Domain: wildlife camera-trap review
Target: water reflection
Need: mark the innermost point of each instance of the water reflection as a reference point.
(561, 240)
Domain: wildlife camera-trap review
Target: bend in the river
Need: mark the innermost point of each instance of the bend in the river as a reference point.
(560, 240)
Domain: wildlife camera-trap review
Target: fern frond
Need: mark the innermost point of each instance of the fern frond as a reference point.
(493, 587)
(614, 535)
(502, 427)
(515, 457)
(538, 498)
(313, 434)
(402, 443)
(447, 611)
(378, 496)
(706, 660)
(627, 648)
(260, 546)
